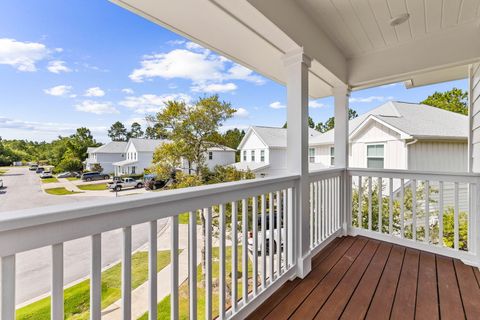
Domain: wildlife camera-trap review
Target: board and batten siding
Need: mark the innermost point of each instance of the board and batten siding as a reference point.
(474, 97)
(438, 156)
(376, 133)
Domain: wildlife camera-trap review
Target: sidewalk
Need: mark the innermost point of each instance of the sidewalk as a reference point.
(140, 294)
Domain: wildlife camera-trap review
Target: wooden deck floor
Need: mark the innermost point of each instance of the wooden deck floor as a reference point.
(361, 278)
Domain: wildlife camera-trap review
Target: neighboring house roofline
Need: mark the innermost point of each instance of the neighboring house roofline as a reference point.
(250, 130)
(370, 118)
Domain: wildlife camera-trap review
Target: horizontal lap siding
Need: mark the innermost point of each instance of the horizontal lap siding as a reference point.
(475, 113)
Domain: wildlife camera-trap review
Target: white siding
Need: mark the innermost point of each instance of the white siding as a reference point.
(322, 155)
(375, 133)
(255, 145)
(278, 161)
(220, 158)
(105, 160)
(438, 156)
(475, 115)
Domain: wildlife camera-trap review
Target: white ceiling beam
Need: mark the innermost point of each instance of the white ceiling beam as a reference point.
(329, 62)
(448, 49)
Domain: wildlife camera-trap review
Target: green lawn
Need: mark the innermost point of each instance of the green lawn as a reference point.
(73, 178)
(59, 191)
(49, 180)
(164, 305)
(3, 171)
(183, 218)
(77, 297)
(93, 187)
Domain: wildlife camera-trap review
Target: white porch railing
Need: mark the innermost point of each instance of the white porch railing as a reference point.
(250, 225)
(232, 211)
(435, 212)
(326, 206)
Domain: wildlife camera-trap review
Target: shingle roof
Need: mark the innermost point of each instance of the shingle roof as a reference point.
(146, 145)
(276, 137)
(417, 120)
(112, 147)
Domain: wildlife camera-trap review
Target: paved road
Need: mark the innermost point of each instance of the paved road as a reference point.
(23, 191)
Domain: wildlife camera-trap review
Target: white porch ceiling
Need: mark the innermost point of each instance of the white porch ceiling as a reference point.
(350, 41)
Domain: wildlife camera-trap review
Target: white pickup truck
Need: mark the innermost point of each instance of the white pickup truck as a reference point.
(125, 183)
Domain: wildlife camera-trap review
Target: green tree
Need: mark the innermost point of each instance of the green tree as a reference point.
(155, 132)
(455, 100)
(192, 130)
(330, 123)
(118, 132)
(311, 123)
(69, 165)
(135, 131)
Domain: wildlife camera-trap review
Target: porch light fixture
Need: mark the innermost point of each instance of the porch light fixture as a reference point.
(398, 20)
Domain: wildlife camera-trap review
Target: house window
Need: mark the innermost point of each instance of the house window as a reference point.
(332, 156)
(210, 155)
(252, 154)
(311, 155)
(262, 155)
(244, 155)
(375, 156)
(133, 170)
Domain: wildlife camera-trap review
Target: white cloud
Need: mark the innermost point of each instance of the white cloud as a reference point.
(242, 113)
(96, 107)
(58, 91)
(315, 104)
(94, 92)
(57, 66)
(277, 105)
(215, 87)
(23, 56)
(49, 127)
(370, 99)
(197, 64)
(175, 42)
(127, 91)
(152, 103)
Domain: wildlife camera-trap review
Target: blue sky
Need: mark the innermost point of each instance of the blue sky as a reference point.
(66, 64)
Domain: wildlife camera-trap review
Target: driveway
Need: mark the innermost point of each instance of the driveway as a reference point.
(23, 191)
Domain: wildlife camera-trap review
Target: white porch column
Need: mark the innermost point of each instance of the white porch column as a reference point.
(341, 133)
(341, 96)
(297, 64)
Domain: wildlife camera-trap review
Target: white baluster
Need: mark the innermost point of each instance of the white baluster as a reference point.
(127, 273)
(223, 258)
(174, 268)
(57, 282)
(244, 251)
(208, 264)
(192, 264)
(234, 256)
(96, 277)
(152, 270)
(7, 305)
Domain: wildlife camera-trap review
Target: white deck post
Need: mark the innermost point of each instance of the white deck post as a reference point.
(341, 95)
(297, 65)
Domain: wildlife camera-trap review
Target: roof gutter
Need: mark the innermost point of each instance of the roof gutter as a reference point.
(407, 152)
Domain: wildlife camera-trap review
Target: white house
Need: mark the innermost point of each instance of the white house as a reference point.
(139, 156)
(263, 150)
(400, 135)
(106, 155)
(395, 135)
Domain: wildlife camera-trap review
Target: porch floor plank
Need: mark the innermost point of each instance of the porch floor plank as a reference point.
(362, 278)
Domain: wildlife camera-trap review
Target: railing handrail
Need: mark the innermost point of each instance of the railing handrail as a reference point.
(415, 174)
(33, 228)
(324, 173)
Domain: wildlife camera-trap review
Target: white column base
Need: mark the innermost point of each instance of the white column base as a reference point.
(304, 265)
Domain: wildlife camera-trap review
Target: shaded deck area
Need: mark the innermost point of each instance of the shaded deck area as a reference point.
(361, 278)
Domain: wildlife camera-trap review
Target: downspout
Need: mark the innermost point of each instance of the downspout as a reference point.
(406, 145)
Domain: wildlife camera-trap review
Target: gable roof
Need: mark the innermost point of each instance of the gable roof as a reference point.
(112, 147)
(418, 121)
(272, 137)
(146, 145)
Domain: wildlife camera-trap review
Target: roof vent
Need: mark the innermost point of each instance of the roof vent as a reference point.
(398, 20)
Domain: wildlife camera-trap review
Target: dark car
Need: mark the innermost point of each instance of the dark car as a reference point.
(40, 170)
(92, 176)
(152, 184)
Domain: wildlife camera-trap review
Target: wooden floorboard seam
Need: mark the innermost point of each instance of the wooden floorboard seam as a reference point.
(358, 283)
(398, 280)
(378, 282)
(459, 290)
(346, 271)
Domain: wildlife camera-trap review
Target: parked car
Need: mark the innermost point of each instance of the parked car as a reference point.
(267, 235)
(46, 175)
(92, 176)
(64, 175)
(125, 183)
(153, 184)
(33, 167)
(40, 170)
